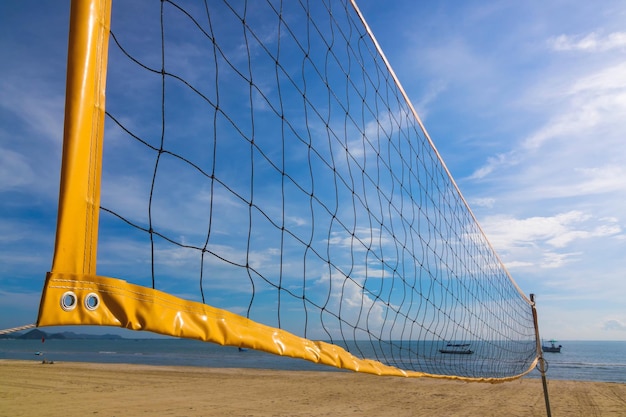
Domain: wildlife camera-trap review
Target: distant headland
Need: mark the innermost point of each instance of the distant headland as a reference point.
(37, 334)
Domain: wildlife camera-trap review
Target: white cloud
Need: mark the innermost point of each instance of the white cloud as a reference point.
(518, 264)
(565, 124)
(609, 178)
(15, 170)
(34, 104)
(576, 151)
(297, 220)
(614, 325)
(487, 202)
(434, 90)
(363, 238)
(557, 260)
(589, 103)
(544, 240)
(608, 79)
(507, 231)
(592, 42)
(493, 163)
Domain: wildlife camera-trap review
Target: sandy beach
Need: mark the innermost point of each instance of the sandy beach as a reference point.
(29, 388)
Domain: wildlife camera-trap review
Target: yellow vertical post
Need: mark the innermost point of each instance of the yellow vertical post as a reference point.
(79, 196)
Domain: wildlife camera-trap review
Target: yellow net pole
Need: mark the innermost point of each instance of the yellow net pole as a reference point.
(79, 195)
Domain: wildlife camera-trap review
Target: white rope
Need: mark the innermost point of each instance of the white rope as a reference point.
(17, 329)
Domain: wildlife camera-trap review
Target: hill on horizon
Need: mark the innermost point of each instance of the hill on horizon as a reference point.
(37, 334)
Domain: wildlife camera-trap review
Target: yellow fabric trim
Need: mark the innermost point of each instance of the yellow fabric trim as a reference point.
(79, 195)
(127, 305)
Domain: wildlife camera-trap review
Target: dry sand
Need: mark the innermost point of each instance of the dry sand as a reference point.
(29, 388)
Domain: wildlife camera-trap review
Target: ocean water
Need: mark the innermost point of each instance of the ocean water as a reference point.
(174, 352)
(578, 360)
(587, 361)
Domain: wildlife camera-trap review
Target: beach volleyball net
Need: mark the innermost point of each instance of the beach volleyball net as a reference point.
(260, 179)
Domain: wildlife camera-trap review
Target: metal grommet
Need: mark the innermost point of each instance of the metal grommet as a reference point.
(69, 301)
(92, 301)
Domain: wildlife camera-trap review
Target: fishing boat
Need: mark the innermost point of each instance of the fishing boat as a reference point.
(457, 349)
(552, 347)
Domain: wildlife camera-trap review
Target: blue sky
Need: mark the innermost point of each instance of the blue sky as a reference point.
(524, 101)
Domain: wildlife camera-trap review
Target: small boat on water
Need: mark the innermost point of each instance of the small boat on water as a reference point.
(552, 347)
(457, 349)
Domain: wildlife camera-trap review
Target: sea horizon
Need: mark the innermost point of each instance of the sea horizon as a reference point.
(600, 361)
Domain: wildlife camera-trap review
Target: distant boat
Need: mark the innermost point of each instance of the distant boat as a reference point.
(457, 349)
(552, 347)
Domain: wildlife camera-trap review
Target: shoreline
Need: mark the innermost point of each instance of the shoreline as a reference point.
(80, 388)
